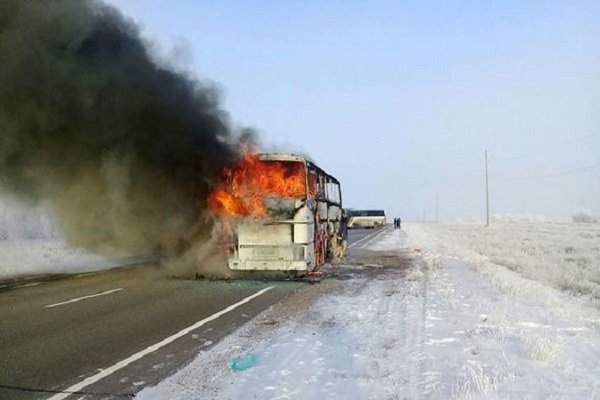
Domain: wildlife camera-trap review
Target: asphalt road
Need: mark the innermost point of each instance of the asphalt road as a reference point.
(111, 333)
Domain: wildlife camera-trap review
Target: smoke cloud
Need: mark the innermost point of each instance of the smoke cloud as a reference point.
(121, 149)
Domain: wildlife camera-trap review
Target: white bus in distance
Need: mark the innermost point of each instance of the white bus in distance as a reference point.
(365, 218)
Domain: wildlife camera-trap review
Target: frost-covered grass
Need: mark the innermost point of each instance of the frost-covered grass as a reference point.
(564, 255)
(474, 383)
(543, 349)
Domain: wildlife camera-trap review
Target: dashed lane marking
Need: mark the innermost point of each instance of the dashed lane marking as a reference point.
(62, 303)
(31, 284)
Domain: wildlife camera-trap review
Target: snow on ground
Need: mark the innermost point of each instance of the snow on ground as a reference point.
(31, 244)
(19, 222)
(439, 329)
(44, 256)
(564, 255)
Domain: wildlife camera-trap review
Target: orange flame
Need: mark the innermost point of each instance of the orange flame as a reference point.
(244, 186)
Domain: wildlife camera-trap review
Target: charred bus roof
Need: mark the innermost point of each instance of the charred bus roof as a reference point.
(280, 157)
(295, 158)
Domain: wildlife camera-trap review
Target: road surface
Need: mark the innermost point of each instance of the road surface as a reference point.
(109, 334)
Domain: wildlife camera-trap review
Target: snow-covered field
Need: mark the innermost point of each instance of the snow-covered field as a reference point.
(31, 244)
(450, 326)
(18, 222)
(564, 255)
(46, 256)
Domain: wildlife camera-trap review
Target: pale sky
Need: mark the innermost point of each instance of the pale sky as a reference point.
(399, 100)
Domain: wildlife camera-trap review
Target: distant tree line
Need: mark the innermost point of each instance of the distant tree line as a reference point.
(585, 216)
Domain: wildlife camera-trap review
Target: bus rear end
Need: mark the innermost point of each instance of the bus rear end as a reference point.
(282, 245)
(266, 201)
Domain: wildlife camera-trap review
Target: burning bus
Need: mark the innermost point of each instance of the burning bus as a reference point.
(284, 213)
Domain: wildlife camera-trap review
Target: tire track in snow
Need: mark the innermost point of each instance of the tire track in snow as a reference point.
(415, 321)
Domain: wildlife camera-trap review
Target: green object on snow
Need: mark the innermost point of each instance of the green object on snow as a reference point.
(244, 362)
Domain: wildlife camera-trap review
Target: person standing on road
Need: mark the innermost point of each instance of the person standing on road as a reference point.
(399, 223)
(343, 235)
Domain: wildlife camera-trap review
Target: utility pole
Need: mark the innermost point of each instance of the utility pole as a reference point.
(437, 214)
(487, 193)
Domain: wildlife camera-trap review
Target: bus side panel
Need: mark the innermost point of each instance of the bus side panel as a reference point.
(304, 233)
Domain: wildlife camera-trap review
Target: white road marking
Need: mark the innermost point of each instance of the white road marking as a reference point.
(151, 349)
(363, 239)
(31, 284)
(83, 298)
(84, 275)
(377, 232)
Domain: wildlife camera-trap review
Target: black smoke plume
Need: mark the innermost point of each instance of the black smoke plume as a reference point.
(122, 149)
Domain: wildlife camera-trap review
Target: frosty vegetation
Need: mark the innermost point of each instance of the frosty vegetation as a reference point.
(564, 255)
(585, 216)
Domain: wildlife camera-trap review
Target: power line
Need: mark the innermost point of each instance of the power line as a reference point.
(487, 192)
